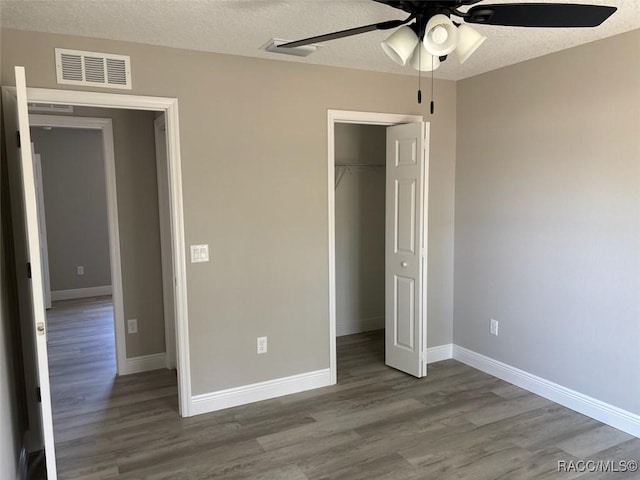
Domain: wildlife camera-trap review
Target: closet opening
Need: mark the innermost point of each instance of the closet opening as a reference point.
(378, 166)
(360, 159)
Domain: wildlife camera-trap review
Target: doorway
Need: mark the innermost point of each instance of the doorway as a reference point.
(81, 257)
(403, 292)
(26, 231)
(360, 244)
(103, 216)
(166, 109)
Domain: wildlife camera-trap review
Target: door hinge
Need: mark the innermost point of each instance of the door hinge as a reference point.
(18, 139)
(39, 394)
(423, 357)
(29, 269)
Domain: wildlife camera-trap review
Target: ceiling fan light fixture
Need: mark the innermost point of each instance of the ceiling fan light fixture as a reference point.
(441, 35)
(399, 46)
(469, 40)
(423, 60)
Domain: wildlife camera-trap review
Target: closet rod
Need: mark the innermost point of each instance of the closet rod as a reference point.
(348, 166)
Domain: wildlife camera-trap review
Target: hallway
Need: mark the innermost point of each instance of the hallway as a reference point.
(93, 409)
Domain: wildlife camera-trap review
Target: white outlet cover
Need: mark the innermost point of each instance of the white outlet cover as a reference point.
(132, 325)
(494, 327)
(199, 253)
(262, 345)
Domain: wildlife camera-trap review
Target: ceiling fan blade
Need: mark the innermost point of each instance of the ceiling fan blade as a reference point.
(412, 6)
(347, 33)
(558, 15)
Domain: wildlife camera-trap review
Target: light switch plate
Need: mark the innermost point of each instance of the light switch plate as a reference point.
(199, 253)
(132, 326)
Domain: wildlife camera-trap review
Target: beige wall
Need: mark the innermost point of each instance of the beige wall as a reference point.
(359, 232)
(254, 165)
(138, 222)
(360, 144)
(75, 206)
(548, 217)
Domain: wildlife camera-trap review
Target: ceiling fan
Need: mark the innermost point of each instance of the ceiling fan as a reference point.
(432, 36)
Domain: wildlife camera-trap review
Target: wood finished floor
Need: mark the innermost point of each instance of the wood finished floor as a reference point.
(377, 423)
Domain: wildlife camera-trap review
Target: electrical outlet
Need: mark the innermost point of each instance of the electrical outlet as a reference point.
(132, 326)
(494, 327)
(262, 344)
(80, 269)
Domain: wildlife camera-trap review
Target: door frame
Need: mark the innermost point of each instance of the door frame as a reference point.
(42, 222)
(360, 118)
(105, 126)
(159, 130)
(169, 106)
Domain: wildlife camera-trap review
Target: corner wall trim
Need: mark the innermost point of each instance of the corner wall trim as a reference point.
(210, 402)
(439, 353)
(145, 363)
(81, 293)
(594, 408)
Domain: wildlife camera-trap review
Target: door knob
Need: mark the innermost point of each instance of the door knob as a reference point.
(404, 264)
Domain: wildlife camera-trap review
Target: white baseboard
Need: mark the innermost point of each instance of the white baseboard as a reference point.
(359, 326)
(145, 363)
(210, 402)
(81, 293)
(439, 353)
(594, 408)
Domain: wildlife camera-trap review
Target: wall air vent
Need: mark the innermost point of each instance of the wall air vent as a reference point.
(92, 69)
(49, 107)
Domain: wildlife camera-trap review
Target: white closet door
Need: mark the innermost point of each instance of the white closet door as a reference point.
(405, 249)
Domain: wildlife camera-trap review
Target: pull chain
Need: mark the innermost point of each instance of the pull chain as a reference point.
(432, 106)
(419, 75)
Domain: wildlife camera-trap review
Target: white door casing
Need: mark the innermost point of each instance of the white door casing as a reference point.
(170, 108)
(166, 241)
(26, 234)
(405, 251)
(42, 223)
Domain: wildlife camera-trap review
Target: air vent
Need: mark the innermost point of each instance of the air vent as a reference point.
(108, 70)
(50, 107)
(273, 46)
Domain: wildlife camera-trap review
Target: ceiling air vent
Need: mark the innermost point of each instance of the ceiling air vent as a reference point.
(273, 46)
(94, 69)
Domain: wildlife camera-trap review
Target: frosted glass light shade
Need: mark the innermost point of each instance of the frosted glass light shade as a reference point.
(400, 45)
(441, 35)
(423, 60)
(469, 39)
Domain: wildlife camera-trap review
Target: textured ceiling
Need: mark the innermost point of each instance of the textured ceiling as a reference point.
(242, 27)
